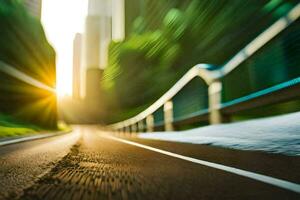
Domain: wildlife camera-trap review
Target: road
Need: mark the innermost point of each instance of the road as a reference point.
(92, 164)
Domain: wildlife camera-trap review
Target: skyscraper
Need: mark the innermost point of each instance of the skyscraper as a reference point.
(98, 32)
(77, 54)
(118, 20)
(105, 22)
(97, 37)
(34, 7)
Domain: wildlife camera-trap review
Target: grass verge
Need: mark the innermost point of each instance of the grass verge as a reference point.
(10, 127)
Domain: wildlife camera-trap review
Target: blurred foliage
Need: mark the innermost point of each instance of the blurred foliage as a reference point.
(24, 46)
(160, 49)
(23, 43)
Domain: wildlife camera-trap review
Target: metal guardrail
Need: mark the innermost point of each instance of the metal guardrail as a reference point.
(6, 68)
(261, 40)
(211, 78)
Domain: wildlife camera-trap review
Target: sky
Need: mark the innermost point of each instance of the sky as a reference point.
(62, 19)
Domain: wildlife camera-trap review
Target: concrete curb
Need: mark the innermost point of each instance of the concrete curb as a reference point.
(33, 137)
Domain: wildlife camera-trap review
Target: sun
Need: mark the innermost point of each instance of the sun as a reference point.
(62, 91)
(62, 19)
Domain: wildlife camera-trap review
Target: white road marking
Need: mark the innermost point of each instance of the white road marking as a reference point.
(252, 175)
(30, 138)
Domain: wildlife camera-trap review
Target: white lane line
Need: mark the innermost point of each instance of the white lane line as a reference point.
(258, 177)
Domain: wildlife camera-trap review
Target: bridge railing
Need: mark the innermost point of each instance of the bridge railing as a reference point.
(250, 79)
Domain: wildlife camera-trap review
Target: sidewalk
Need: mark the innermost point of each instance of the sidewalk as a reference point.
(279, 134)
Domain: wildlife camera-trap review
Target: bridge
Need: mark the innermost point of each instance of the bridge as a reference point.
(214, 101)
(185, 145)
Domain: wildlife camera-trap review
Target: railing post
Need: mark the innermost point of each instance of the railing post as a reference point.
(168, 116)
(141, 126)
(134, 128)
(214, 99)
(150, 123)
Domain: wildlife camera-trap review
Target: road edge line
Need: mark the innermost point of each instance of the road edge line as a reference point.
(294, 187)
(33, 137)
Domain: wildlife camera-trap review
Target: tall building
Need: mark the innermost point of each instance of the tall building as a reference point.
(118, 20)
(98, 33)
(34, 7)
(77, 54)
(104, 23)
(97, 36)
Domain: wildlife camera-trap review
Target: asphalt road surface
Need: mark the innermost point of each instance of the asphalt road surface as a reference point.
(93, 164)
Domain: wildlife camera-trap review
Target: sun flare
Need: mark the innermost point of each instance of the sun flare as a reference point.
(62, 19)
